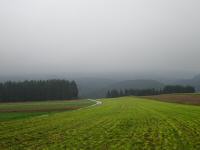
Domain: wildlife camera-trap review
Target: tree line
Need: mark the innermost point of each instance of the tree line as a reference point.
(178, 89)
(169, 89)
(38, 90)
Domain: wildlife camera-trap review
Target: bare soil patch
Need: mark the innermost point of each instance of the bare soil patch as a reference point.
(177, 98)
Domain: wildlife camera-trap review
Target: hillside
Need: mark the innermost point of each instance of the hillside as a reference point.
(193, 82)
(137, 84)
(127, 84)
(87, 86)
(21, 110)
(122, 123)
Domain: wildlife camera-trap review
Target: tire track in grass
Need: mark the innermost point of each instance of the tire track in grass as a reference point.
(178, 137)
(172, 127)
(92, 100)
(185, 124)
(97, 102)
(117, 124)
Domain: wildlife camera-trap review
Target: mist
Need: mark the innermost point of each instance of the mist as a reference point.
(127, 38)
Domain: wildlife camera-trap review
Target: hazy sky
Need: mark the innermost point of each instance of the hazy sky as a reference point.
(99, 36)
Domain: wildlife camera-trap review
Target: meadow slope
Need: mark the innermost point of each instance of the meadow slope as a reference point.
(21, 110)
(121, 123)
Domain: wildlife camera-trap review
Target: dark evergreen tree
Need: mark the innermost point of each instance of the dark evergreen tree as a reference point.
(38, 90)
(121, 93)
(178, 89)
(108, 95)
(114, 93)
(146, 92)
(74, 89)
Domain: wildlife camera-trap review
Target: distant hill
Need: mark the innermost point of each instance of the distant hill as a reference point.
(137, 84)
(87, 86)
(127, 84)
(195, 82)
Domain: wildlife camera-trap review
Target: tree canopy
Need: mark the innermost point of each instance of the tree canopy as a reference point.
(169, 89)
(38, 90)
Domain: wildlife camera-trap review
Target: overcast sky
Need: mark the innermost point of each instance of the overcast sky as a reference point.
(99, 36)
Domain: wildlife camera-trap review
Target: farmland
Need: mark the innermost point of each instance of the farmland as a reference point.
(20, 110)
(121, 123)
(192, 99)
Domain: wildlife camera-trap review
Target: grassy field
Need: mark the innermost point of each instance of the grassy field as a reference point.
(9, 111)
(121, 123)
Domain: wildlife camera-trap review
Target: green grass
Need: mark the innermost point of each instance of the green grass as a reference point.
(19, 115)
(122, 123)
(21, 110)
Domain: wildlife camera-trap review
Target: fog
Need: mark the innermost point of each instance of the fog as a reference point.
(100, 37)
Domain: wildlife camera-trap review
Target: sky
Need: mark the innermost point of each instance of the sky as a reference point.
(160, 37)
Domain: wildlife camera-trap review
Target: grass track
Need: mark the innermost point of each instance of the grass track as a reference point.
(123, 123)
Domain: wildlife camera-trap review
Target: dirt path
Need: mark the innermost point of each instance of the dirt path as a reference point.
(93, 100)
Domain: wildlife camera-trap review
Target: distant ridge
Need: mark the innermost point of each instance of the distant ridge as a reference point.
(127, 84)
(195, 82)
(90, 85)
(137, 84)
